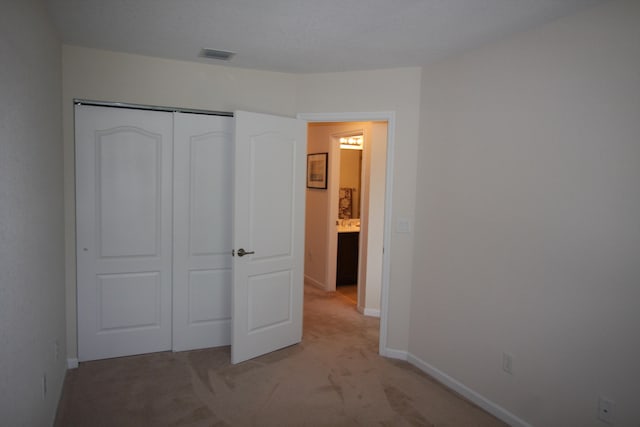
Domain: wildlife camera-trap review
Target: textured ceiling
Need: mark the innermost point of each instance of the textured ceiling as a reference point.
(302, 36)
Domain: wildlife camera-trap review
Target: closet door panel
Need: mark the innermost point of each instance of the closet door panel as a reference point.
(203, 161)
(124, 218)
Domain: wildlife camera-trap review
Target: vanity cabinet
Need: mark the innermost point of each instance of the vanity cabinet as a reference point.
(347, 265)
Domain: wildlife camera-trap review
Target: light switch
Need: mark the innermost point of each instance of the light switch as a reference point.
(403, 226)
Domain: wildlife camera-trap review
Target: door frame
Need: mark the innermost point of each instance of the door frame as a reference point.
(390, 118)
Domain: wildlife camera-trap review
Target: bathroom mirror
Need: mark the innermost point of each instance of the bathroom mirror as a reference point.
(350, 183)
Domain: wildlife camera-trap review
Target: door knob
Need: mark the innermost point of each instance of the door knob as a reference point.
(242, 252)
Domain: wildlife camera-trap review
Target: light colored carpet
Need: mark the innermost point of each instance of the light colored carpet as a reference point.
(333, 378)
(349, 291)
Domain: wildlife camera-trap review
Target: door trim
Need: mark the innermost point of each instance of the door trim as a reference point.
(390, 118)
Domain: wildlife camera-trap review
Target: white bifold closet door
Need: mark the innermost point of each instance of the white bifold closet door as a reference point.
(124, 227)
(154, 196)
(202, 199)
(161, 200)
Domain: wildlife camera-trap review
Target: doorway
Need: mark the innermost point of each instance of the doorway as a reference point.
(349, 215)
(375, 201)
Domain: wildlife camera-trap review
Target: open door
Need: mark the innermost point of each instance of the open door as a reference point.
(268, 234)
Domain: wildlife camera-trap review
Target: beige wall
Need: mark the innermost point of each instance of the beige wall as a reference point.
(395, 90)
(529, 203)
(32, 313)
(110, 76)
(317, 213)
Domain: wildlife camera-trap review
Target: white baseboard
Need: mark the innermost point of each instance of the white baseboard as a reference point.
(371, 312)
(468, 393)
(314, 282)
(394, 354)
(72, 363)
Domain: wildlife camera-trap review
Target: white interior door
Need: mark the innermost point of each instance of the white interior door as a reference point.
(269, 224)
(123, 213)
(203, 186)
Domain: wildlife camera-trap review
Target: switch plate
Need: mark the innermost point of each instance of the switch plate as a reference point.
(403, 226)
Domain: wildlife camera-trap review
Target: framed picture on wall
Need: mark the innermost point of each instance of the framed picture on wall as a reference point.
(317, 170)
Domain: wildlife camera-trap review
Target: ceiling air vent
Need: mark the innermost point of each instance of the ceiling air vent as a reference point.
(221, 55)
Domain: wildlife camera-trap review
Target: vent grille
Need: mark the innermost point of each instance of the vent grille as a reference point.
(220, 55)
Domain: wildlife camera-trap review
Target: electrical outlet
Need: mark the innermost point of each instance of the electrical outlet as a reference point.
(507, 363)
(605, 409)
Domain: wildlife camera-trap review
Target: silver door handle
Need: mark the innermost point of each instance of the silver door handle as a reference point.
(242, 252)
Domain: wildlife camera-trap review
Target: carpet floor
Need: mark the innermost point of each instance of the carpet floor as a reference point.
(349, 291)
(334, 377)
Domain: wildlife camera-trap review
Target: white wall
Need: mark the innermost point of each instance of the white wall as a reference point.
(395, 90)
(31, 216)
(528, 207)
(110, 76)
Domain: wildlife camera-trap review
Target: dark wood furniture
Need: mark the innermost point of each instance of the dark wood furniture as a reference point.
(347, 268)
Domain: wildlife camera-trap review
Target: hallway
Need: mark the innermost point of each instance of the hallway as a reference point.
(334, 377)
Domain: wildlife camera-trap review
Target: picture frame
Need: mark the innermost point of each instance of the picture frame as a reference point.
(317, 166)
